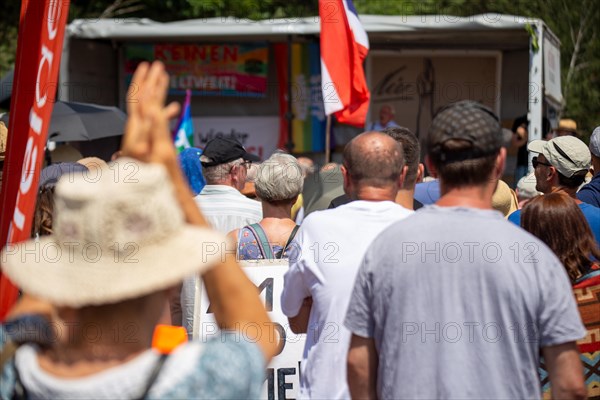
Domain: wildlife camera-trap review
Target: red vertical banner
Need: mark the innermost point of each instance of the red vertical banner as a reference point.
(39, 48)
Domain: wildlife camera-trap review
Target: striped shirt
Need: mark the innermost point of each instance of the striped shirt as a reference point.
(227, 209)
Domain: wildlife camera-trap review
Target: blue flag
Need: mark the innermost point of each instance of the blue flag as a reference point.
(184, 133)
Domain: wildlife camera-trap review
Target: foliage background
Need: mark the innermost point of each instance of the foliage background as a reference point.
(576, 23)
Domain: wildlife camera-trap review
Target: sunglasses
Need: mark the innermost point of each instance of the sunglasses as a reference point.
(245, 164)
(535, 162)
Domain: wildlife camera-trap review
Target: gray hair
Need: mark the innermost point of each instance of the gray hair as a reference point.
(218, 173)
(279, 178)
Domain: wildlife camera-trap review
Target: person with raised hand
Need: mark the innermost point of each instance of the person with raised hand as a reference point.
(123, 242)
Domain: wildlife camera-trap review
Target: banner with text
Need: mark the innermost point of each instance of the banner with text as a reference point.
(283, 373)
(209, 69)
(258, 135)
(35, 83)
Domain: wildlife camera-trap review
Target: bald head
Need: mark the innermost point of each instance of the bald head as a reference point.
(373, 159)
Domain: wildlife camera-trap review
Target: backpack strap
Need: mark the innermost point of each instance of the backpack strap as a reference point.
(289, 240)
(19, 391)
(153, 375)
(263, 242)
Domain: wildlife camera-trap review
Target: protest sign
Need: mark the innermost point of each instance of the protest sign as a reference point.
(283, 373)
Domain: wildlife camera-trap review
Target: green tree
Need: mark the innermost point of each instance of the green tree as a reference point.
(577, 25)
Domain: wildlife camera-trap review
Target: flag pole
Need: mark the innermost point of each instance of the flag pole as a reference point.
(328, 140)
(289, 115)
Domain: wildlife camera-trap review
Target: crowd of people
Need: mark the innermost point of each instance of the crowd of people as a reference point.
(451, 286)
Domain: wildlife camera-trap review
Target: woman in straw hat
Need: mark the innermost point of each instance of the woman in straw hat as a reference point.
(119, 244)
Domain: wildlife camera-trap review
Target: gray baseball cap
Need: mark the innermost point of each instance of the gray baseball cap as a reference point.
(567, 154)
(595, 142)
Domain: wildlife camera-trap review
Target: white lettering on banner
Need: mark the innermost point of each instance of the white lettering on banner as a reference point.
(54, 13)
(259, 135)
(204, 82)
(46, 56)
(28, 171)
(283, 373)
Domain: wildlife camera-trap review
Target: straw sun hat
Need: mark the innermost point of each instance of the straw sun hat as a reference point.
(117, 236)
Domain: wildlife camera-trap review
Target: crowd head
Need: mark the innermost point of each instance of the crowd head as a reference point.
(44, 206)
(373, 159)
(563, 161)
(556, 219)
(279, 178)
(411, 152)
(225, 161)
(386, 114)
(464, 141)
(595, 150)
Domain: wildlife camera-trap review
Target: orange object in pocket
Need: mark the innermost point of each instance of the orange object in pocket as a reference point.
(166, 338)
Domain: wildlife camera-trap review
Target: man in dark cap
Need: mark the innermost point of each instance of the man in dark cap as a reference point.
(456, 302)
(225, 163)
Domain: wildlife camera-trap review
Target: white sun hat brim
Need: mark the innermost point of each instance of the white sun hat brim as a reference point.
(80, 275)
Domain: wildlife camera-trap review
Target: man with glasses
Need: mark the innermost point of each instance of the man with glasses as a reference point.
(560, 166)
(224, 165)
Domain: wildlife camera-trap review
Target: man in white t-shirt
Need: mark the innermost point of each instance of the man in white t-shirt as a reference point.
(328, 250)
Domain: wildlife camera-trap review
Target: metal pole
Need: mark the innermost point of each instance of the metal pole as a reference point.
(328, 140)
(289, 115)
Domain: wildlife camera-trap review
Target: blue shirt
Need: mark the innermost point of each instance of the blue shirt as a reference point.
(427, 192)
(376, 126)
(591, 214)
(590, 193)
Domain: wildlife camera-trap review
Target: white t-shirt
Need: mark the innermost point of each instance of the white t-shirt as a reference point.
(324, 259)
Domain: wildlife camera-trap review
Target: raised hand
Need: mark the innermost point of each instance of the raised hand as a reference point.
(147, 136)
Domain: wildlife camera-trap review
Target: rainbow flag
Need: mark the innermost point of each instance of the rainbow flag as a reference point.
(307, 102)
(183, 136)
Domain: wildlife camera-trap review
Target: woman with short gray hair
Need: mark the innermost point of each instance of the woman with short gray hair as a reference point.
(278, 183)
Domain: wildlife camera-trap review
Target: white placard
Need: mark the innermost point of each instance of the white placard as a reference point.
(259, 135)
(552, 70)
(283, 373)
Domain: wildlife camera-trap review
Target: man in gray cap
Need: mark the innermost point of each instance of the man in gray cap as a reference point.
(590, 193)
(561, 165)
(450, 302)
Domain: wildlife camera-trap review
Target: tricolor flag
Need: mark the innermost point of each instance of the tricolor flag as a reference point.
(183, 135)
(344, 46)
